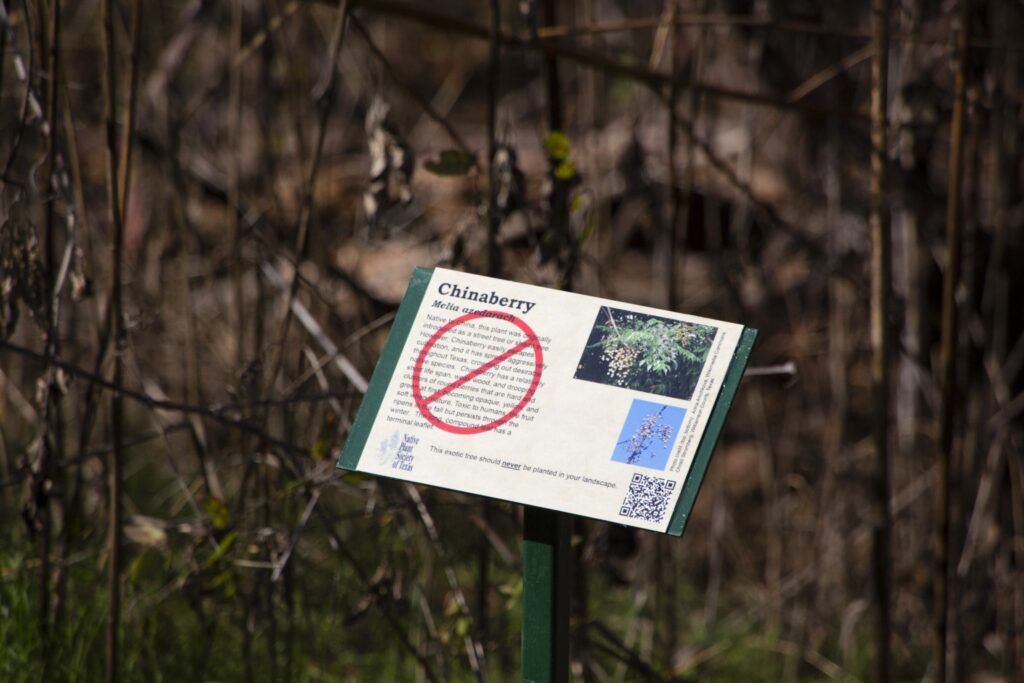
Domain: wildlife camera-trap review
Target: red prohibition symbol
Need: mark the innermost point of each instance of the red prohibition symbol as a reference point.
(423, 403)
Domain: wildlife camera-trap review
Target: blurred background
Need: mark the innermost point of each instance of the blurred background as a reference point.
(209, 214)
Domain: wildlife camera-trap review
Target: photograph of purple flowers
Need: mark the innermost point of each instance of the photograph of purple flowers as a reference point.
(648, 434)
(645, 353)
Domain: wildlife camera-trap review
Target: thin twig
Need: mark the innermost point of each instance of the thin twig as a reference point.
(30, 106)
(219, 414)
(670, 255)
(622, 652)
(3, 53)
(881, 336)
(31, 109)
(118, 333)
(326, 89)
(313, 328)
(51, 431)
(428, 108)
(752, 21)
(98, 451)
(474, 650)
(303, 520)
(397, 625)
(950, 337)
(493, 81)
(830, 72)
(127, 132)
(746, 191)
(574, 53)
(239, 58)
(234, 183)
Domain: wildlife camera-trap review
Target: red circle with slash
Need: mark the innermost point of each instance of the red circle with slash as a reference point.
(423, 402)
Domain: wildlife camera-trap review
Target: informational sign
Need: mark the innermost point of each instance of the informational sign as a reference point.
(547, 398)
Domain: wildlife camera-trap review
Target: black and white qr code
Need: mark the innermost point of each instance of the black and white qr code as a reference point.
(647, 498)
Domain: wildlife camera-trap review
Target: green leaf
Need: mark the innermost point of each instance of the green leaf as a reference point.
(689, 355)
(220, 517)
(221, 578)
(565, 170)
(135, 570)
(588, 231)
(226, 581)
(557, 145)
(450, 162)
(319, 450)
(222, 548)
(513, 592)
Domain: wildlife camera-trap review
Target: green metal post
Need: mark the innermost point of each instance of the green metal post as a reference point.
(546, 590)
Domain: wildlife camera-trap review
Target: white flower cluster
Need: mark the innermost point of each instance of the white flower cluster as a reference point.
(649, 430)
(620, 360)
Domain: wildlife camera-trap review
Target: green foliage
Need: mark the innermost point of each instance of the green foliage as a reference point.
(220, 517)
(646, 352)
(71, 650)
(557, 145)
(566, 170)
(725, 650)
(559, 148)
(577, 204)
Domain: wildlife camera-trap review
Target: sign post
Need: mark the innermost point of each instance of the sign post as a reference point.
(567, 404)
(546, 560)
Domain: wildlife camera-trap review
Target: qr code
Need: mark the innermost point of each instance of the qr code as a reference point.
(647, 498)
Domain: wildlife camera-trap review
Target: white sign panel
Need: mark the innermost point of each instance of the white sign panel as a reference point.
(542, 397)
